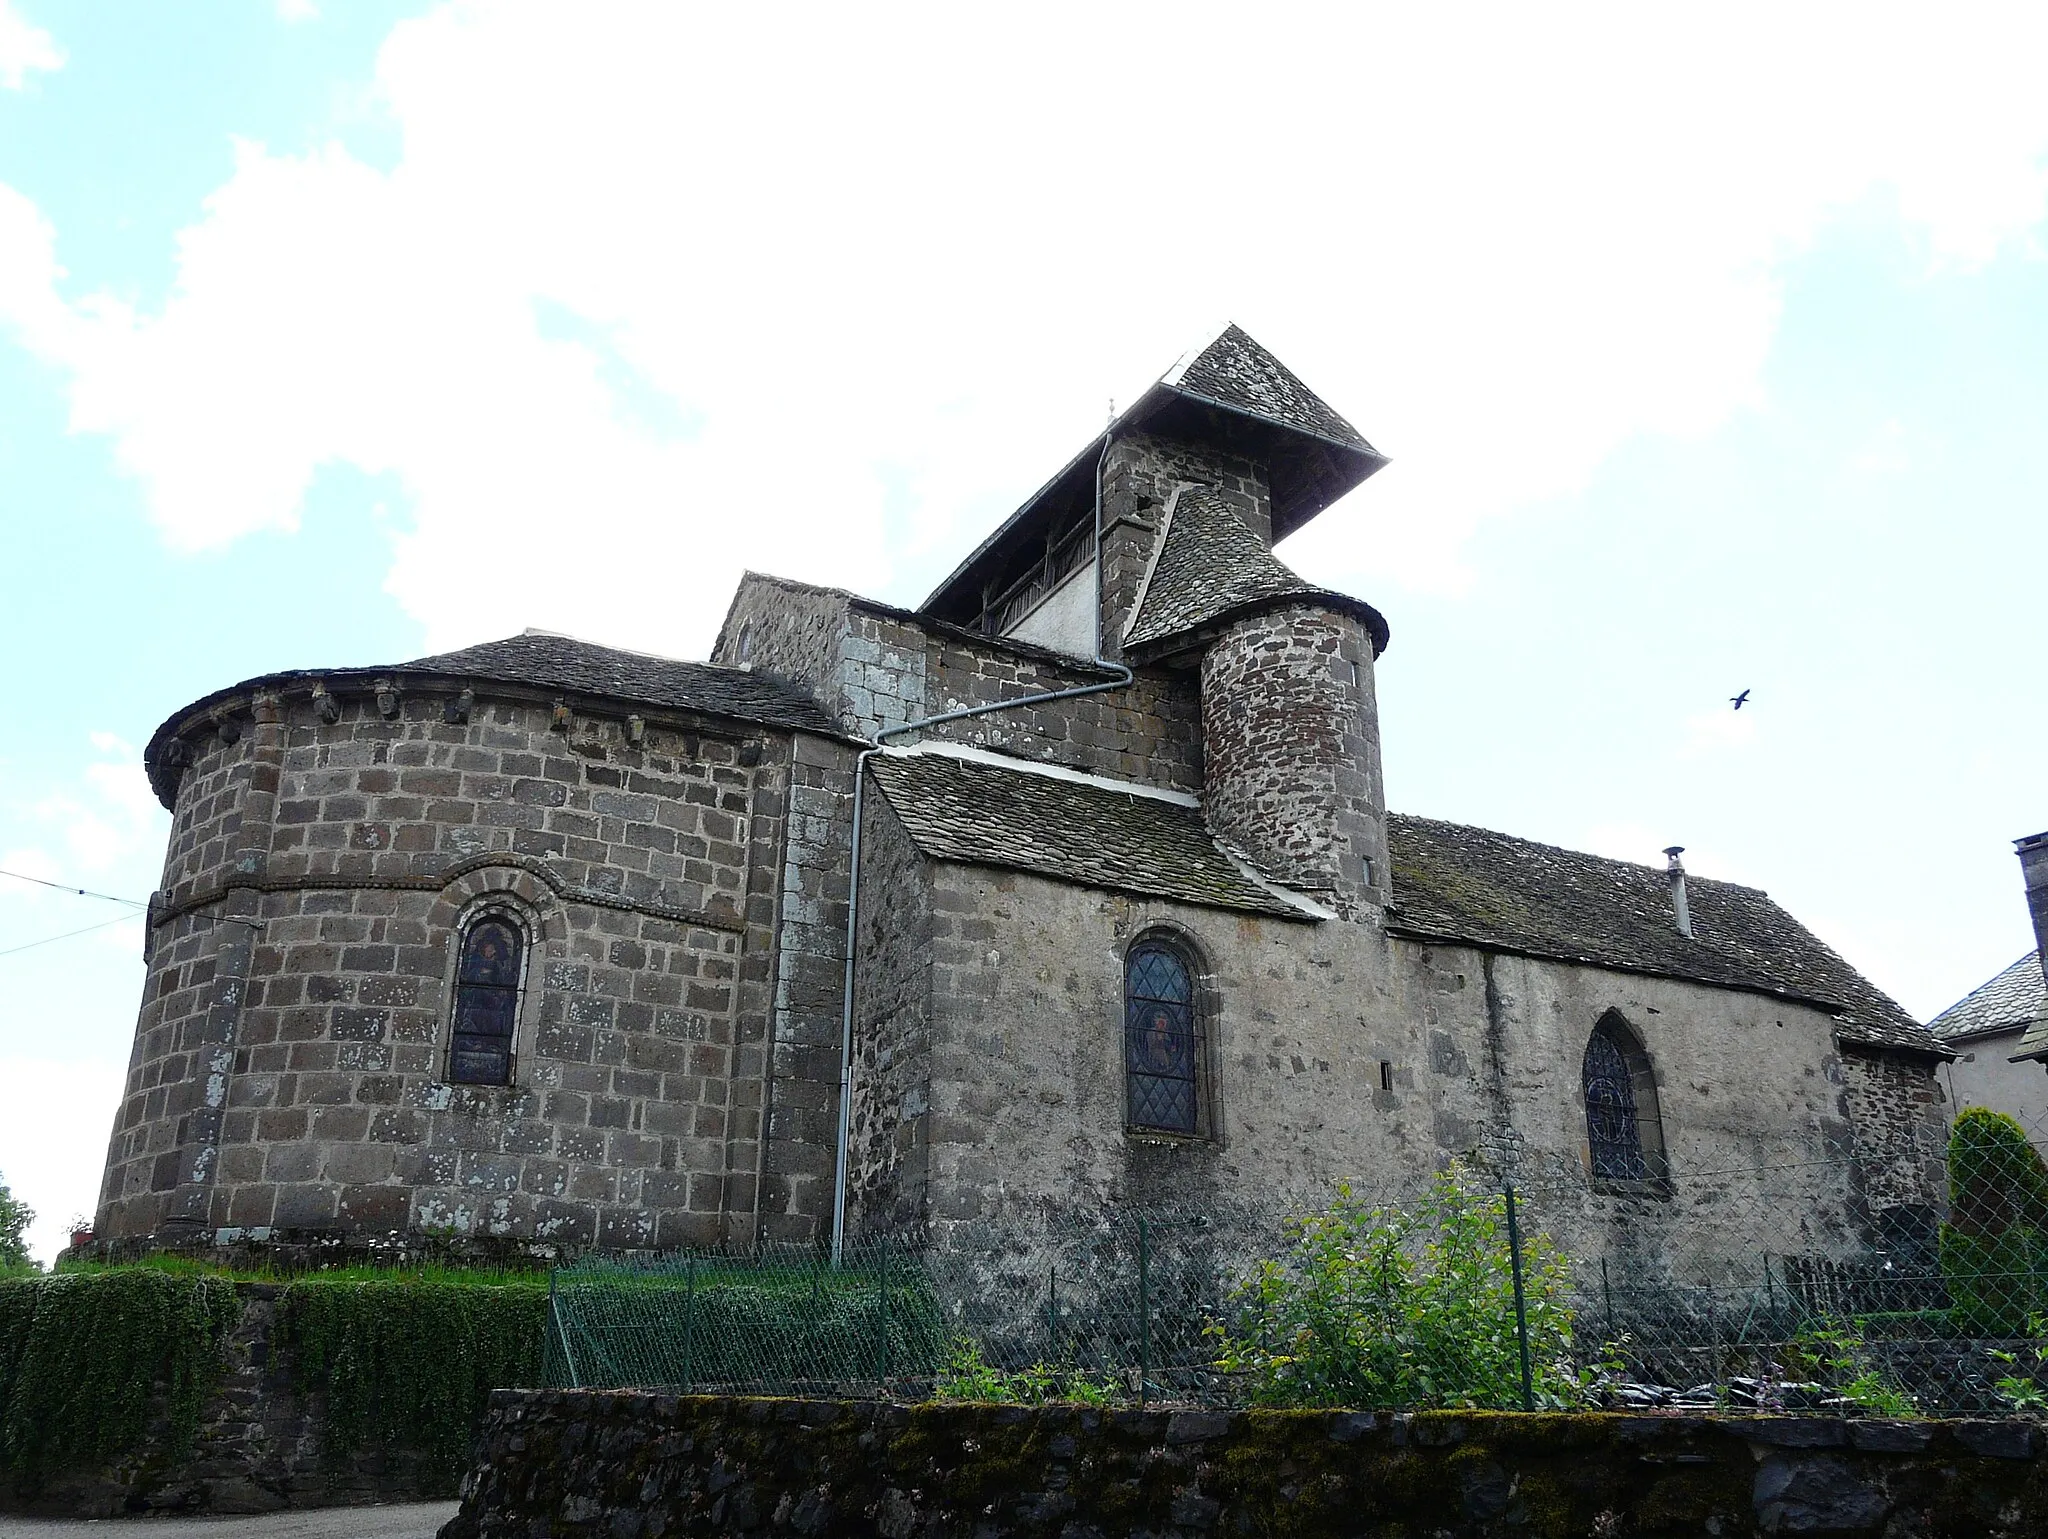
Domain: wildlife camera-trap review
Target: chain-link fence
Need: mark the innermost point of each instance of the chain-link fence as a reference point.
(1490, 1284)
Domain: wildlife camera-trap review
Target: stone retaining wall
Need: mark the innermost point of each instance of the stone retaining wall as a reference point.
(261, 1447)
(626, 1465)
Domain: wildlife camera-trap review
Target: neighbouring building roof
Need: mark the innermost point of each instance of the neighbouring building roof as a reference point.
(1211, 567)
(2014, 997)
(541, 660)
(1480, 888)
(1232, 386)
(1068, 828)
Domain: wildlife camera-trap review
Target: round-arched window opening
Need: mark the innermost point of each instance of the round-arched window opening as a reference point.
(486, 1002)
(1162, 1041)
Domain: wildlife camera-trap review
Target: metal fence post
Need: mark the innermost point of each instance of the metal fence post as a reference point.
(883, 1284)
(689, 1318)
(1144, 1307)
(1052, 1313)
(1521, 1304)
(561, 1331)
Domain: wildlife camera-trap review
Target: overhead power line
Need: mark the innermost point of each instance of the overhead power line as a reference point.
(82, 892)
(49, 939)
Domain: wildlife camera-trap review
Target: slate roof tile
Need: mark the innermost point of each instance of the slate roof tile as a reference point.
(2016, 996)
(1235, 372)
(1071, 830)
(563, 662)
(1471, 885)
(1212, 566)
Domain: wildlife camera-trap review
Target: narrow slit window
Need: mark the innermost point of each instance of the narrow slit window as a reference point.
(1162, 1048)
(486, 1004)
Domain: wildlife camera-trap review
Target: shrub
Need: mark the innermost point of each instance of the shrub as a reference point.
(1992, 1245)
(1404, 1307)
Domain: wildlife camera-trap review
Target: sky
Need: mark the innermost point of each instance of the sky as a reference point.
(1709, 351)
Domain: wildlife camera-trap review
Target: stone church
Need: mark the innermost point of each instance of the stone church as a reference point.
(1073, 886)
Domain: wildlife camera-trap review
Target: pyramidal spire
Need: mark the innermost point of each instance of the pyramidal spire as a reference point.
(1234, 372)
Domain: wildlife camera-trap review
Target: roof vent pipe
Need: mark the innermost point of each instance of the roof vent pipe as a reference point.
(1680, 910)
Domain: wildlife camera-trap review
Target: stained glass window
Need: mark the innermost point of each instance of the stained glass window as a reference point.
(486, 1004)
(1161, 1048)
(1613, 1133)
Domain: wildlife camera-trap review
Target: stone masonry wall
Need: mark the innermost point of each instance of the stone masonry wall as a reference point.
(810, 979)
(881, 668)
(1291, 745)
(624, 1464)
(890, 1132)
(1337, 1053)
(1899, 1118)
(306, 1048)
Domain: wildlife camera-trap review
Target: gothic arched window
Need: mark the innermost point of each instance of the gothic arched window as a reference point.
(1162, 1041)
(486, 1002)
(1624, 1135)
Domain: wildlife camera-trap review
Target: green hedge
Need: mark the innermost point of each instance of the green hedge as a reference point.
(408, 1363)
(86, 1358)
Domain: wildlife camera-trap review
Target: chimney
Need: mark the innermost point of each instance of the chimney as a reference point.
(2033, 852)
(1683, 914)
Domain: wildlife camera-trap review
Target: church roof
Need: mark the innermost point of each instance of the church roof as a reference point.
(1211, 567)
(1236, 373)
(563, 662)
(541, 660)
(1476, 887)
(1068, 827)
(2016, 996)
(1232, 391)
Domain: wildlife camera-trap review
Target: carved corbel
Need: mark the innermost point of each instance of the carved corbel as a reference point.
(266, 708)
(560, 720)
(636, 730)
(227, 727)
(325, 706)
(456, 711)
(387, 700)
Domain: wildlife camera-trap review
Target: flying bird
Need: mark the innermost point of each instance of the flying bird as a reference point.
(1736, 700)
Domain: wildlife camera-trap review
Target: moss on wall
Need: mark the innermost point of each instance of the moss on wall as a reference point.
(581, 1462)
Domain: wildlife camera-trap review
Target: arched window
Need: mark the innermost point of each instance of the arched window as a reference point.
(1624, 1135)
(1162, 1041)
(486, 1002)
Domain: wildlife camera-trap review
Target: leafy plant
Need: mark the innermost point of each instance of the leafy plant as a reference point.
(408, 1363)
(1404, 1307)
(88, 1360)
(1836, 1355)
(968, 1376)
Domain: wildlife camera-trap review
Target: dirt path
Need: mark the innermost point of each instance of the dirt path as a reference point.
(410, 1520)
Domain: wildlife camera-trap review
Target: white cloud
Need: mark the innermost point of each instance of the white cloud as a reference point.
(886, 267)
(24, 48)
(1718, 731)
(297, 10)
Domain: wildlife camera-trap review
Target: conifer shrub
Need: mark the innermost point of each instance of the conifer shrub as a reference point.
(1992, 1246)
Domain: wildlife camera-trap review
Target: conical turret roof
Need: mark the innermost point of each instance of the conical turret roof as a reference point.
(1212, 567)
